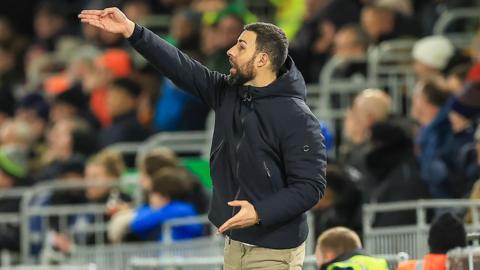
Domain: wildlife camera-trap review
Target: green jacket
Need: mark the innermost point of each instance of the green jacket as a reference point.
(360, 262)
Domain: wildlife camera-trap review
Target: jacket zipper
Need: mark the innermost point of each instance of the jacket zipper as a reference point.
(237, 165)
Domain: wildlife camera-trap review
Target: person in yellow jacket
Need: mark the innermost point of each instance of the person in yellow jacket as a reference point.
(446, 232)
(340, 248)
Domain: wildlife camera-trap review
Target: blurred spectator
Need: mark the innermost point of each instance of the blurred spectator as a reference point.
(112, 64)
(312, 45)
(136, 10)
(431, 55)
(341, 203)
(165, 201)
(351, 41)
(72, 103)
(340, 248)
(382, 23)
(154, 161)
(16, 134)
(66, 139)
(350, 45)
(289, 15)
(106, 167)
(393, 173)
(455, 169)
(429, 11)
(160, 158)
(456, 77)
(12, 175)
(9, 78)
(369, 107)
(122, 101)
(430, 109)
(446, 233)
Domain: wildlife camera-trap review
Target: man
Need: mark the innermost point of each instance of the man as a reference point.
(122, 103)
(268, 159)
(430, 109)
(339, 248)
(446, 233)
(369, 107)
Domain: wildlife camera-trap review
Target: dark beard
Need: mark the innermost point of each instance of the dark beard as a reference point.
(240, 78)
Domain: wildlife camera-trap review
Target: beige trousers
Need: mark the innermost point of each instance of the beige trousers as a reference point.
(238, 256)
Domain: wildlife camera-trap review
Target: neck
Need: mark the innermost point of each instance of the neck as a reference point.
(262, 79)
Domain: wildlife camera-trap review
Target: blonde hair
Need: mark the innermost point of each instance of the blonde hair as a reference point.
(111, 161)
(338, 240)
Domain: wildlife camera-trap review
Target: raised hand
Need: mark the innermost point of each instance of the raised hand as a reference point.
(110, 19)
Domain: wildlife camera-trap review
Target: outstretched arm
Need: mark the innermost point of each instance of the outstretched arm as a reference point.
(187, 73)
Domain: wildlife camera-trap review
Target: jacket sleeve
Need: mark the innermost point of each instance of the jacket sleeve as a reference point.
(304, 158)
(185, 72)
(147, 219)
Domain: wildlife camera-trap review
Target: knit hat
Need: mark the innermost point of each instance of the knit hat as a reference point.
(434, 51)
(10, 166)
(116, 60)
(446, 232)
(467, 103)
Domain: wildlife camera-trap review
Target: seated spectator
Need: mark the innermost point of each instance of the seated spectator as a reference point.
(163, 157)
(12, 175)
(340, 248)
(122, 97)
(430, 109)
(446, 232)
(370, 106)
(393, 173)
(341, 203)
(383, 23)
(66, 139)
(431, 56)
(455, 169)
(351, 44)
(165, 201)
(16, 137)
(105, 167)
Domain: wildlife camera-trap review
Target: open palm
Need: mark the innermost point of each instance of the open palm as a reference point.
(109, 19)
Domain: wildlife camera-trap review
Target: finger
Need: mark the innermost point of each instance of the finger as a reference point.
(91, 12)
(88, 16)
(228, 223)
(108, 11)
(95, 23)
(236, 203)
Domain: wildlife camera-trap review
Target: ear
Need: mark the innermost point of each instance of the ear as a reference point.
(262, 60)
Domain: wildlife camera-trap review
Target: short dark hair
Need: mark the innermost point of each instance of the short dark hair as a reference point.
(129, 86)
(174, 183)
(435, 93)
(271, 40)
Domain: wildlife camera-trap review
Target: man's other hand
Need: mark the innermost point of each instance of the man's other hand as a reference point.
(110, 19)
(246, 217)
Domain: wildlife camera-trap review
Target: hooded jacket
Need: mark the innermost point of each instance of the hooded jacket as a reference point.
(267, 147)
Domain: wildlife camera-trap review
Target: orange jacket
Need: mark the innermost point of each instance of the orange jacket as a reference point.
(430, 262)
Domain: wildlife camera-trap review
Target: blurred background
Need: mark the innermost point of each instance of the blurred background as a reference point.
(99, 152)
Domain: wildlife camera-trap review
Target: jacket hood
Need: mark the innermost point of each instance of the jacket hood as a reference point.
(289, 83)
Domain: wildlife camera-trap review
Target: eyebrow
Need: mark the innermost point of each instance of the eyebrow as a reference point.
(241, 40)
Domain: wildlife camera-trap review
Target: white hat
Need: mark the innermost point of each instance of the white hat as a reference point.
(434, 51)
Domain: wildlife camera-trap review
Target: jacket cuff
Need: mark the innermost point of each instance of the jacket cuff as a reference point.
(136, 35)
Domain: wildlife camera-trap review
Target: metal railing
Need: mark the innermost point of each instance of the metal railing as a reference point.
(410, 238)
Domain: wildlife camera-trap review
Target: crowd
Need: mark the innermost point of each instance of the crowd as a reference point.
(69, 90)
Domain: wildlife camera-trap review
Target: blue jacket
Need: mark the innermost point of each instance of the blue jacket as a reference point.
(267, 147)
(432, 138)
(147, 223)
(177, 110)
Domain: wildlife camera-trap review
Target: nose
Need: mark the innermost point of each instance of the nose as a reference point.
(230, 52)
